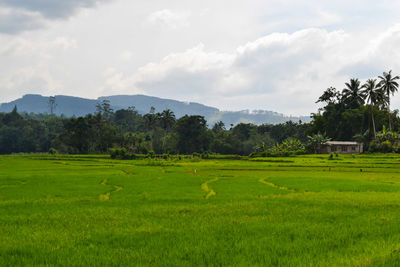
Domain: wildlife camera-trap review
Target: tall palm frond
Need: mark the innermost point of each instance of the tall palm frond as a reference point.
(352, 94)
(373, 96)
(389, 85)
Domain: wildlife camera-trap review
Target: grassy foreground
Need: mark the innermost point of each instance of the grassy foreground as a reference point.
(302, 211)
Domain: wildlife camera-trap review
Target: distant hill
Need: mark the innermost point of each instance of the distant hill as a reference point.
(76, 106)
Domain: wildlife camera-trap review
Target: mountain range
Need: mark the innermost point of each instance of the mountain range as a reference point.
(76, 106)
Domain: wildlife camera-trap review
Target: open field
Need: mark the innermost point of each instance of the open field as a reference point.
(301, 211)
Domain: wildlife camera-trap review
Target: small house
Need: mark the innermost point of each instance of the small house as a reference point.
(341, 147)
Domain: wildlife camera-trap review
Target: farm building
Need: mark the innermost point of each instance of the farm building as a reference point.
(342, 147)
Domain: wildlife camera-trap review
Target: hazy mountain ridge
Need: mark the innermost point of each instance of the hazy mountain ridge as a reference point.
(76, 106)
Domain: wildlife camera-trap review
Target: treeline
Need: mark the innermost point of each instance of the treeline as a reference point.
(154, 132)
(360, 112)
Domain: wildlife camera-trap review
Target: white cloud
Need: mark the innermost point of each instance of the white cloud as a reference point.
(22, 47)
(36, 79)
(169, 18)
(13, 21)
(284, 72)
(126, 55)
(325, 18)
(28, 67)
(277, 64)
(17, 16)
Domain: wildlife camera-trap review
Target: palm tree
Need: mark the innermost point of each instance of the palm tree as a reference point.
(316, 141)
(352, 94)
(150, 121)
(373, 95)
(168, 119)
(389, 85)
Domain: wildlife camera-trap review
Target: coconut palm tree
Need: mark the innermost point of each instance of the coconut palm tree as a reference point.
(150, 121)
(316, 141)
(389, 85)
(168, 119)
(373, 96)
(352, 94)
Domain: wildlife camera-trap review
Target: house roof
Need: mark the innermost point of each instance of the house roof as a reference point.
(342, 143)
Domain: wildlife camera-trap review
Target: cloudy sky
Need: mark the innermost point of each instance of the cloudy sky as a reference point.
(273, 54)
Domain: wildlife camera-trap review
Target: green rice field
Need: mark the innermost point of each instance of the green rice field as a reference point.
(296, 211)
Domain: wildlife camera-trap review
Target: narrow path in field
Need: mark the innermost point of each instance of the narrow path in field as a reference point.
(263, 181)
(107, 195)
(126, 172)
(209, 192)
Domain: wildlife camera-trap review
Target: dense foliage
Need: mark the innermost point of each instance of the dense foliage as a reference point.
(157, 133)
(359, 112)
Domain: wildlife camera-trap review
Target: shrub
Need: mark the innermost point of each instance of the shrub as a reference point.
(374, 146)
(289, 147)
(113, 153)
(396, 148)
(205, 155)
(53, 151)
(151, 154)
(118, 153)
(386, 147)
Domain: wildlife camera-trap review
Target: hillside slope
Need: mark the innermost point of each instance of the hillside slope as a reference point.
(76, 106)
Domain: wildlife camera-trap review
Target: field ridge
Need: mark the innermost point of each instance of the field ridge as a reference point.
(106, 196)
(209, 192)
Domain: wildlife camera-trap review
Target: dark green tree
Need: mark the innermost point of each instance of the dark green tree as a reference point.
(330, 96)
(104, 108)
(192, 134)
(167, 119)
(218, 127)
(374, 96)
(352, 95)
(389, 85)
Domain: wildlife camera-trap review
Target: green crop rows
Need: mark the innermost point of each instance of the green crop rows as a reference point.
(300, 211)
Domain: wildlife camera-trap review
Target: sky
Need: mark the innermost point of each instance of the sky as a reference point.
(277, 55)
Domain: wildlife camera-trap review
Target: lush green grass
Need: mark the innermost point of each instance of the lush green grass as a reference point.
(302, 211)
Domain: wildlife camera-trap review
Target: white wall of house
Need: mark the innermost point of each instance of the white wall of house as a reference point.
(342, 147)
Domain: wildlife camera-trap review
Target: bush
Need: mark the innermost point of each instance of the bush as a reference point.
(113, 153)
(386, 147)
(396, 148)
(289, 147)
(374, 146)
(118, 153)
(53, 151)
(205, 155)
(151, 154)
